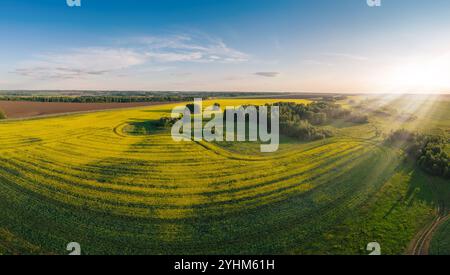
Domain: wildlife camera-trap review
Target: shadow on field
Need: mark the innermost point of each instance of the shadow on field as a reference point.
(430, 189)
(109, 170)
(418, 188)
(140, 127)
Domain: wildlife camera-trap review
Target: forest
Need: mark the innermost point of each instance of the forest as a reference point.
(427, 150)
(303, 121)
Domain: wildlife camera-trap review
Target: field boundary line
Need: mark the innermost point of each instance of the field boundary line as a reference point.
(30, 118)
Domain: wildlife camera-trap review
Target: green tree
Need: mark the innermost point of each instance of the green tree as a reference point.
(428, 150)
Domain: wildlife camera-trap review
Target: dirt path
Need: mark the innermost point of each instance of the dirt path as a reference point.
(421, 243)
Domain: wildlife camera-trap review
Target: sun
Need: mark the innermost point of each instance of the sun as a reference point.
(420, 75)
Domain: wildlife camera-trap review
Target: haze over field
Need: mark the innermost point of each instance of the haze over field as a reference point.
(253, 45)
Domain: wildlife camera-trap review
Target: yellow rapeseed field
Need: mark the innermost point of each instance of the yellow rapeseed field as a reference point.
(84, 178)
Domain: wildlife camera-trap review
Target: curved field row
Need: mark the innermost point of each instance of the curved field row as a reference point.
(440, 244)
(81, 178)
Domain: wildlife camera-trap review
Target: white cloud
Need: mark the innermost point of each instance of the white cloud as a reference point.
(149, 51)
(182, 48)
(352, 57)
(80, 63)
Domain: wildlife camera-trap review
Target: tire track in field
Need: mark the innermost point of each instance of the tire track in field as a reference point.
(421, 243)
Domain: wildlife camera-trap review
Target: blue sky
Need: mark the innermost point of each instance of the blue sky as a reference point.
(239, 45)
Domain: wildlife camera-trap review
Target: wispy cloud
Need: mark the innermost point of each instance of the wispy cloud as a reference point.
(333, 58)
(353, 57)
(313, 62)
(189, 48)
(82, 62)
(268, 74)
(147, 51)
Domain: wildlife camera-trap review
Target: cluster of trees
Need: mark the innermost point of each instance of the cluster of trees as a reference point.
(319, 113)
(303, 130)
(2, 115)
(296, 121)
(428, 151)
(166, 122)
(303, 121)
(97, 99)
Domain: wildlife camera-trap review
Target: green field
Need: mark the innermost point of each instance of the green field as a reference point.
(441, 242)
(87, 178)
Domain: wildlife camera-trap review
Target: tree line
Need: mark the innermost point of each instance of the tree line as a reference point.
(299, 121)
(303, 121)
(427, 150)
(97, 99)
(319, 113)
